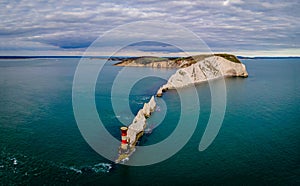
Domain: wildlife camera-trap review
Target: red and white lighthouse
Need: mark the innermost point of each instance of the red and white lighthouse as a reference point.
(124, 138)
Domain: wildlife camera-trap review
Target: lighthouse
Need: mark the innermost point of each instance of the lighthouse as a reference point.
(124, 143)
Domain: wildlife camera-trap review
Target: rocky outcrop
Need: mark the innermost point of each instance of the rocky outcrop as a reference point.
(149, 107)
(210, 68)
(138, 124)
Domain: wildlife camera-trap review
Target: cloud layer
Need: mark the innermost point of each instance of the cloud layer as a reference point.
(69, 27)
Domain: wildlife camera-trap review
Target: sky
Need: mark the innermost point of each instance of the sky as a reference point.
(241, 27)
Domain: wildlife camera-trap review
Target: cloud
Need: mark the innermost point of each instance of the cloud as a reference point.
(68, 26)
(152, 46)
(227, 2)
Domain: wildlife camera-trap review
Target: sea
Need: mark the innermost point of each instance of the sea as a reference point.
(41, 144)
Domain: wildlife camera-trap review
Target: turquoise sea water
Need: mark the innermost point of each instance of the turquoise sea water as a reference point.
(40, 142)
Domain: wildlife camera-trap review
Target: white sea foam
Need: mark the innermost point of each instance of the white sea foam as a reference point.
(97, 168)
(125, 160)
(76, 170)
(14, 160)
(102, 167)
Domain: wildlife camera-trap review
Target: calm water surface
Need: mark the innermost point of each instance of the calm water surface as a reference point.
(40, 142)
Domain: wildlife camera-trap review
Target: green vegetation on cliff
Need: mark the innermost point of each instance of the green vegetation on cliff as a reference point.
(229, 57)
(178, 62)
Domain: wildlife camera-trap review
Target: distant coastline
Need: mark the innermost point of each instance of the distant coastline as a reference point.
(268, 57)
(119, 58)
(39, 57)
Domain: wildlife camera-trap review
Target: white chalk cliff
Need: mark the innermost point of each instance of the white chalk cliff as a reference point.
(139, 122)
(204, 70)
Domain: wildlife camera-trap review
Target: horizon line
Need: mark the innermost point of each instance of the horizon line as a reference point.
(81, 56)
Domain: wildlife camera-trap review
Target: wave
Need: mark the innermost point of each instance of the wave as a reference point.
(14, 160)
(75, 170)
(102, 167)
(17, 162)
(97, 168)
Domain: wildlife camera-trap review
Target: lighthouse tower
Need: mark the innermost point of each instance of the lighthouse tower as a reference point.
(124, 144)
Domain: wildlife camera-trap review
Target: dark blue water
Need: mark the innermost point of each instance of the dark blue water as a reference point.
(40, 142)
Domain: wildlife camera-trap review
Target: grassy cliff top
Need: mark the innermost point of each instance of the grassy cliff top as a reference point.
(178, 61)
(229, 57)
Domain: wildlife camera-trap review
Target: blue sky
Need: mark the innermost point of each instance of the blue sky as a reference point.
(253, 28)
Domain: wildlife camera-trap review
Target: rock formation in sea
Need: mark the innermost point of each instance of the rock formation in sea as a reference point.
(192, 70)
(138, 124)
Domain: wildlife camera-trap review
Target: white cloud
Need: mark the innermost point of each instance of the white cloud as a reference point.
(247, 25)
(228, 2)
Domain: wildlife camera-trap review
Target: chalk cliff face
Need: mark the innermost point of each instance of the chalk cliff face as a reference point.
(154, 62)
(149, 107)
(139, 122)
(210, 68)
